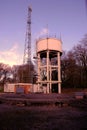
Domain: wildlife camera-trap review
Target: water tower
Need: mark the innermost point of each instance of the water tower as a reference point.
(49, 51)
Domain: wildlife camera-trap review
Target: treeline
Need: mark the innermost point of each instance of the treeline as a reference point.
(15, 74)
(7, 74)
(74, 66)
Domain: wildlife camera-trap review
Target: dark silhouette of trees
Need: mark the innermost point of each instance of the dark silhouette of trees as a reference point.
(5, 74)
(24, 73)
(16, 74)
(74, 66)
(80, 54)
(69, 70)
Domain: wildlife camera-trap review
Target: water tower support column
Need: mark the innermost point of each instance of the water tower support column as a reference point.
(38, 57)
(59, 73)
(48, 71)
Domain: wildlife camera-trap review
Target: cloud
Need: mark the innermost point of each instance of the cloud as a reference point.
(11, 56)
(42, 33)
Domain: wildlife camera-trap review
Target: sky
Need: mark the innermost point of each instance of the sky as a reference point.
(64, 18)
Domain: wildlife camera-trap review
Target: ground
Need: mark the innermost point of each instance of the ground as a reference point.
(47, 117)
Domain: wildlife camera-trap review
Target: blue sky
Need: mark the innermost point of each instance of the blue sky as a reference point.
(65, 17)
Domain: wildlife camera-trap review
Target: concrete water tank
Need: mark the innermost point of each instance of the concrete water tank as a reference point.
(49, 43)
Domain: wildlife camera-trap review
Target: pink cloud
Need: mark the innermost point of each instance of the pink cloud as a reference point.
(11, 56)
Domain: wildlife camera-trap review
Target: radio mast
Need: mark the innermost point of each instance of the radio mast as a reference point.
(27, 48)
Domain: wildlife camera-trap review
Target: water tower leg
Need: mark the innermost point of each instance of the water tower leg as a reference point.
(47, 88)
(47, 71)
(59, 88)
(59, 74)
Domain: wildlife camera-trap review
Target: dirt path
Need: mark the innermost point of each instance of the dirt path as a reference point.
(19, 117)
(42, 118)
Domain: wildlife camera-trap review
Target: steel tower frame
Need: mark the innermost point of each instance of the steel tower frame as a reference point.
(27, 48)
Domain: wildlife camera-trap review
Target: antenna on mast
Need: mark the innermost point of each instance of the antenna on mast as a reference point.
(47, 30)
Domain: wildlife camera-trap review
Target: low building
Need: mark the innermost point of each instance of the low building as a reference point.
(18, 88)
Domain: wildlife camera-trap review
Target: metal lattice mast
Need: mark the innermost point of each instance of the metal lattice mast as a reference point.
(27, 49)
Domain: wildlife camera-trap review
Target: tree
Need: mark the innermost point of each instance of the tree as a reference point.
(24, 73)
(74, 65)
(5, 74)
(68, 67)
(80, 54)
